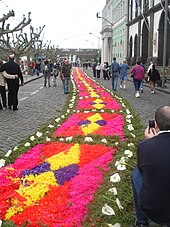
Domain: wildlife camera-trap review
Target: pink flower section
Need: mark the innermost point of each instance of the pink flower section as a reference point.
(82, 191)
(108, 103)
(114, 125)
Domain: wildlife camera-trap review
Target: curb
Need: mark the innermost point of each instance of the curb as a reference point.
(31, 79)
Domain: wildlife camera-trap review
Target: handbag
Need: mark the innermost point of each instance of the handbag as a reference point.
(132, 75)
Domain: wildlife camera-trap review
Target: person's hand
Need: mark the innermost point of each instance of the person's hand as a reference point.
(16, 76)
(150, 132)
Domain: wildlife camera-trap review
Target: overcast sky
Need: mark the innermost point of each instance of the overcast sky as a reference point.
(68, 22)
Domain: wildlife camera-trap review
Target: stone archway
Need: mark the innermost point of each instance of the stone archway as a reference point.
(145, 37)
(161, 38)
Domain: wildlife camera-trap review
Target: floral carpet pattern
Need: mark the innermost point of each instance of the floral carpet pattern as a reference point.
(53, 183)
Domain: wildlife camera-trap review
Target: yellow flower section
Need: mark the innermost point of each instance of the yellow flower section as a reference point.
(87, 129)
(64, 159)
(93, 94)
(36, 189)
(98, 104)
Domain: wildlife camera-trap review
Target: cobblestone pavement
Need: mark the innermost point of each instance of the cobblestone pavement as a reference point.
(37, 106)
(146, 104)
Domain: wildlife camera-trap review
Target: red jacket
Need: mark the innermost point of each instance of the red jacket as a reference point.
(138, 72)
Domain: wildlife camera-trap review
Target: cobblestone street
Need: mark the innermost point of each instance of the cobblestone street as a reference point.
(37, 105)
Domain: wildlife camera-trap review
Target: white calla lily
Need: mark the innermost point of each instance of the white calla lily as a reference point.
(2, 163)
(103, 140)
(115, 178)
(128, 153)
(69, 138)
(113, 190)
(15, 148)
(39, 134)
(61, 139)
(8, 153)
(27, 144)
(32, 138)
(115, 225)
(107, 210)
(119, 204)
(51, 126)
(88, 139)
(133, 135)
(121, 167)
(130, 144)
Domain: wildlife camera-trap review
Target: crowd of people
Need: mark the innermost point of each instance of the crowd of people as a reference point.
(11, 75)
(116, 71)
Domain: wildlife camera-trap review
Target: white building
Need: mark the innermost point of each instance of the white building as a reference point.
(135, 30)
(114, 34)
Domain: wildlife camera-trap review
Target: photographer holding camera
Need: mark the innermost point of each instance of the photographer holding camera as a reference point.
(151, 177)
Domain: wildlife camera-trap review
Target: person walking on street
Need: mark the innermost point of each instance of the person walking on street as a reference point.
(153, 77)
(37, 68)
(94, 69)
(123, 74)
(55, 73)
(98, 70)
(47, 73)
(106, 71)
(4, 75)
(114, 73)
(31, 66)
(138, 75)
(13, 68)
(65, 75)
(150, 179)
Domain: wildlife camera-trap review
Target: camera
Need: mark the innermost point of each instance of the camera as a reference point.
(151, 124)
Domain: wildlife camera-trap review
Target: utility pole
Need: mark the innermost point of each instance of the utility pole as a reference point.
(165, 42)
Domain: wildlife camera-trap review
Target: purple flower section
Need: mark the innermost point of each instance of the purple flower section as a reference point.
(84, 122)
(65, 174)
(101, 122)
(93, 103)
(42, 168)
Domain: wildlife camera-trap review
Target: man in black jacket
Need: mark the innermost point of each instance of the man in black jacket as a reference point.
(13, 84)
(151, 177)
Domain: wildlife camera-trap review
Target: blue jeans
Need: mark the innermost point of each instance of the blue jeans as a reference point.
(32, 71)
(137, 84)
(114, 82)
(66, 84)
(137, 180)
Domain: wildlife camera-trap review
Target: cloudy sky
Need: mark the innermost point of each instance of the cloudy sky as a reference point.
(68, 23)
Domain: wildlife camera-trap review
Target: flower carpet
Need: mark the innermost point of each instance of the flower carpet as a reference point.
(53, 183)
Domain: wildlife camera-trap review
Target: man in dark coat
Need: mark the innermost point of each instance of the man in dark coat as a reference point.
(13, 68)
(150, 179)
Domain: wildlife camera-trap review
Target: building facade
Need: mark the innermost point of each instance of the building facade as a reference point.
(146, 31)
(137, 30)
(114, 34)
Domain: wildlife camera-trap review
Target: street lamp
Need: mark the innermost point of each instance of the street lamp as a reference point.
(97, 38)
(97, 15)
(90, 42)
